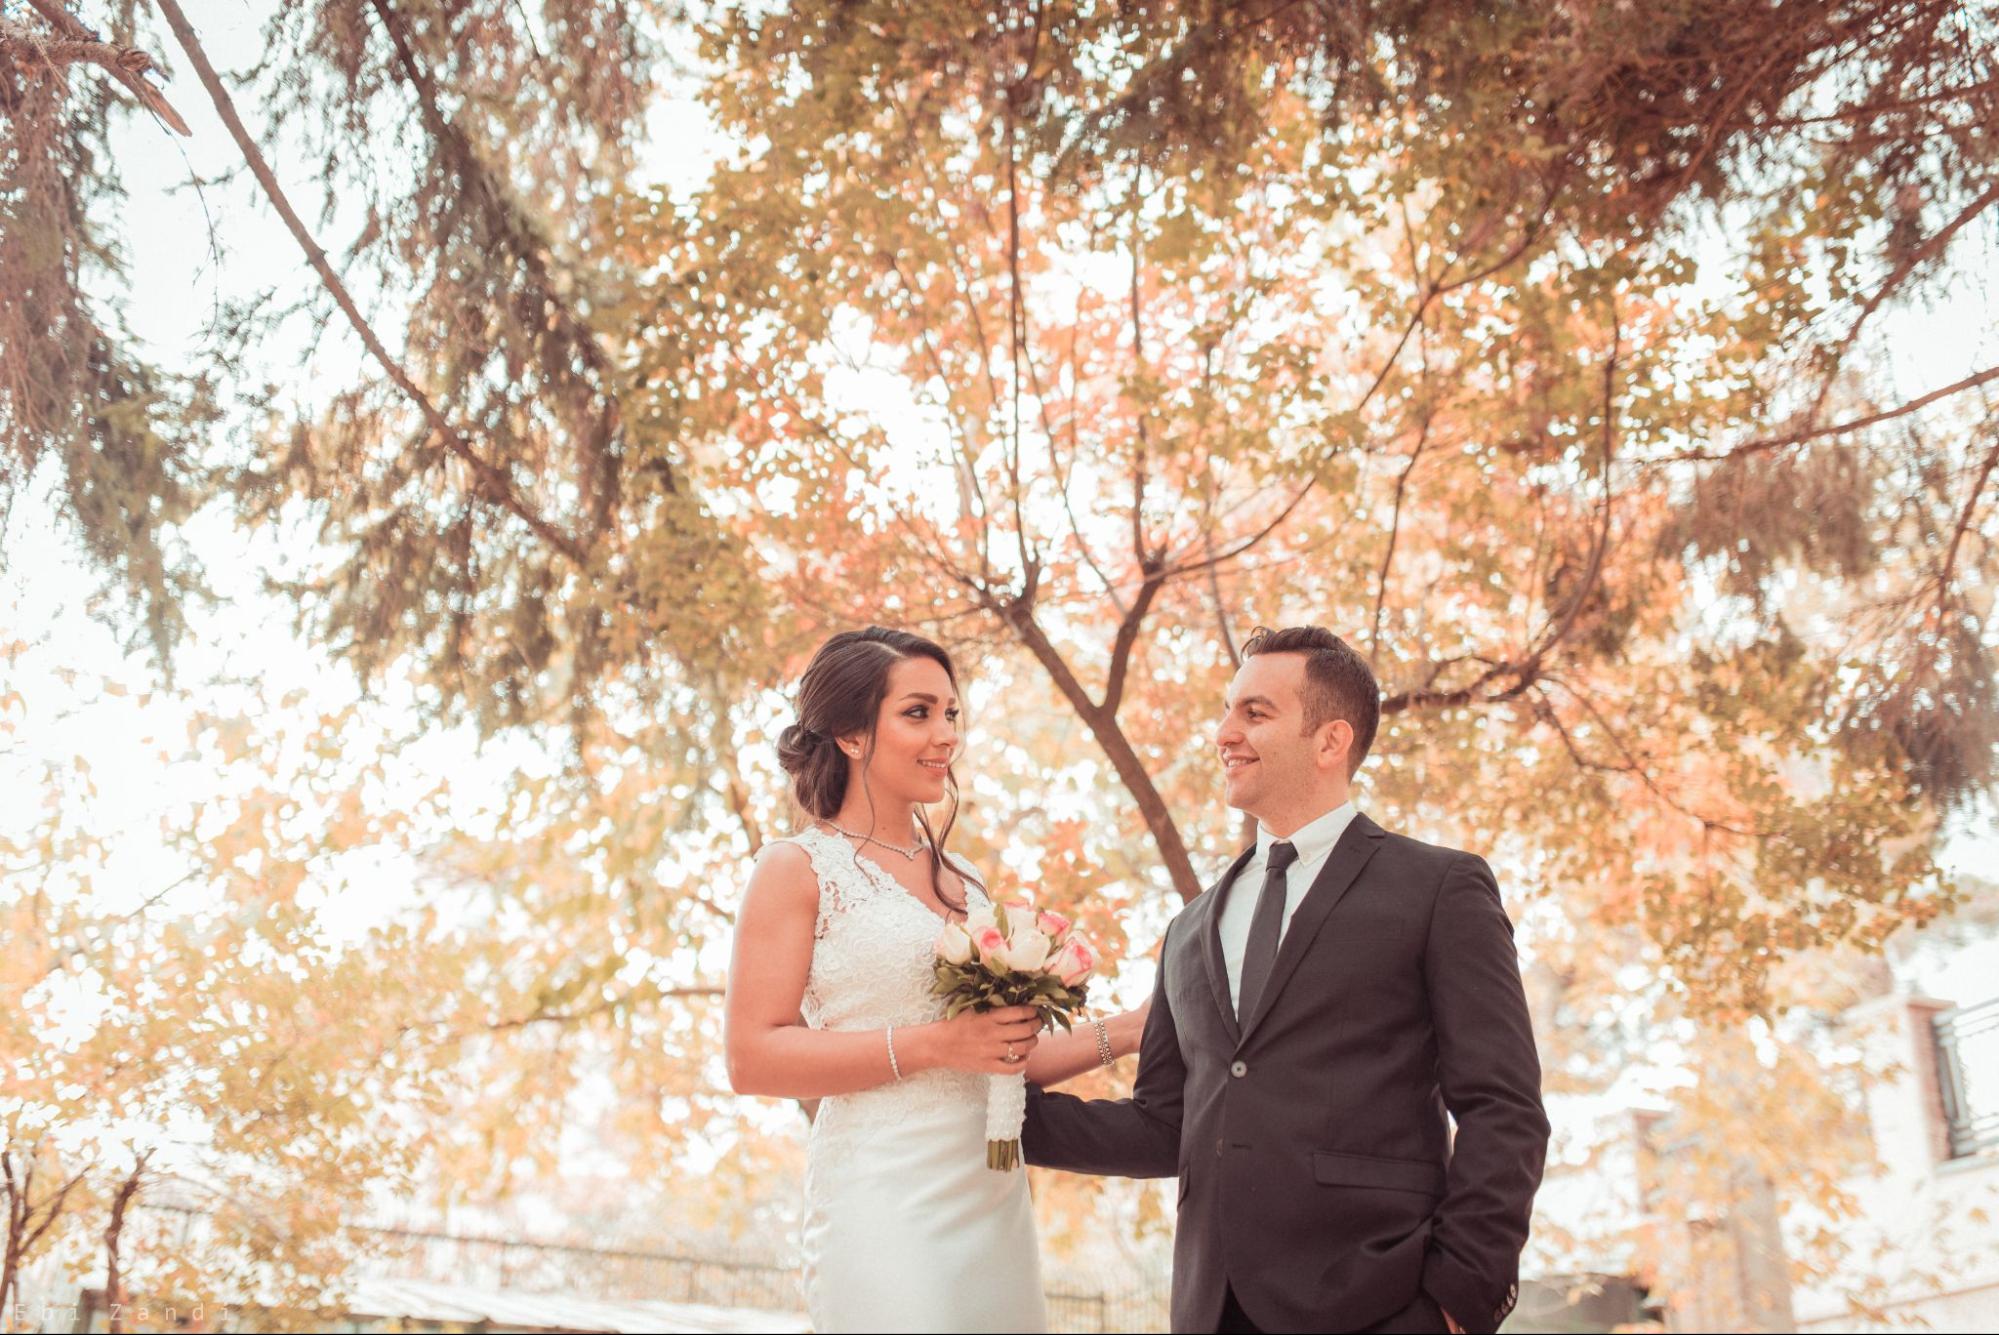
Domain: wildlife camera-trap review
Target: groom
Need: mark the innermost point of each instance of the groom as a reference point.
(1318, 1013)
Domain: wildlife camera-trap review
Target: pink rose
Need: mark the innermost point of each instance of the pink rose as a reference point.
(1073, 963)
(1055, 925)
(991, 943)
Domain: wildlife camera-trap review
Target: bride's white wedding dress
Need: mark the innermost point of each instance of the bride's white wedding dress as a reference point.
(905, 1226)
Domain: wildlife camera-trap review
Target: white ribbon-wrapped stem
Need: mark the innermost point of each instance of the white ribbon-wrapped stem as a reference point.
(1006, 1113)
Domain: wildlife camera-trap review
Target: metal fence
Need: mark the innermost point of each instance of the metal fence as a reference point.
(1967, 1051)
(717, 1276)
(1135, 1302)
(705, 1272)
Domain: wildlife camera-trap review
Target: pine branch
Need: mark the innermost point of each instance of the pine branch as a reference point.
(76, 43)
(1914, 260)
(494, 486)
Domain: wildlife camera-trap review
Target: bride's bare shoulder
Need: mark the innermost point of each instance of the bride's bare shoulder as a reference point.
(782, 875)
(783, 853)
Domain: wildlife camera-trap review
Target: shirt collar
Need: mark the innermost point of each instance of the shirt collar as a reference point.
(1315, 838)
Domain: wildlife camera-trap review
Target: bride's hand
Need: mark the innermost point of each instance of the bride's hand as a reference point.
(979, 1040)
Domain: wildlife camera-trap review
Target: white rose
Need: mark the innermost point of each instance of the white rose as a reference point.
(980, 915)
(1021, 919)
(954, 944)
(1028, 951)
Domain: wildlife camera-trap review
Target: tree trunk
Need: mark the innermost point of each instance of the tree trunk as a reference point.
(1116, 746)
(17, 1225)
(114, 1298)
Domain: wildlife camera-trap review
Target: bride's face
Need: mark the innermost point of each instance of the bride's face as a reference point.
(916, 733)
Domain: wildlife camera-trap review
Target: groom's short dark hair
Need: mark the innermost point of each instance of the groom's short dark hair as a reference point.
(1338, 682)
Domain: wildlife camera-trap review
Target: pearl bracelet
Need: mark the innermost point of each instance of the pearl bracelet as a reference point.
(893, 1065)
(1104, 1054)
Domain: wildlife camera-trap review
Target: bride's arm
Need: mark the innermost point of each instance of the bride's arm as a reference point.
(770, 1052)
(1062, 1056)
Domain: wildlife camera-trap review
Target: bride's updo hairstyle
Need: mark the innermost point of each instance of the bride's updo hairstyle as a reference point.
(841, 695)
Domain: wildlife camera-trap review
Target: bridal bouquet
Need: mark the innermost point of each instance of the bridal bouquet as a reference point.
(1012, 954)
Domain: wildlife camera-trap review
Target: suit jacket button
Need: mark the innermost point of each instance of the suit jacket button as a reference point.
(1239, 1068)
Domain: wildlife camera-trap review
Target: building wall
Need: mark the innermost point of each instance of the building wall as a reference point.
(1924, 1242)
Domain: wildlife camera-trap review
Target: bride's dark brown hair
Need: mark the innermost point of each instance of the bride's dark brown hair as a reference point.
(841, 695)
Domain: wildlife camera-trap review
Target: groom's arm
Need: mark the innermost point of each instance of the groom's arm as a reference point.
(1134, 1137)
(1490, 1077)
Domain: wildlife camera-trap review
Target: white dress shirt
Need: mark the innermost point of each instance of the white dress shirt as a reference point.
(1313, 841)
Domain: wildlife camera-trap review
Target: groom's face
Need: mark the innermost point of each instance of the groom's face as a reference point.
(1266, 753)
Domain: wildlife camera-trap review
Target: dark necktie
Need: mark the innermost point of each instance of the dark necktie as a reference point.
(1264, 929)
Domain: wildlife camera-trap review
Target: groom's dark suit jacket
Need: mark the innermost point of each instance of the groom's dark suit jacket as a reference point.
(1318, 1174)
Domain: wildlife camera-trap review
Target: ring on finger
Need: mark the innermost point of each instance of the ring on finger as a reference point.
(1010, 1055)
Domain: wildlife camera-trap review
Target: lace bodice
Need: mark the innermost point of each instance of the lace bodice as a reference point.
(872, 954)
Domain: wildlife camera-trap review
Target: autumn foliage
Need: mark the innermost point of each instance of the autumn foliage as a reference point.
(1544, 353)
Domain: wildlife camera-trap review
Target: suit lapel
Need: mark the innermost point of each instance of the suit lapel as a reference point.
(1211, 943)
(1343, 865)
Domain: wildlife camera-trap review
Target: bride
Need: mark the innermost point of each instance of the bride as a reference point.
(829, 1000)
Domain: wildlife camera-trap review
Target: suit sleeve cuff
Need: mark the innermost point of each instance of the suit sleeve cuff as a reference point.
(1465, 1298)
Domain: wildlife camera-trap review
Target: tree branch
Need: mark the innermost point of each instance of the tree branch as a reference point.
(1600, 543)
(1875, 110)
(495, 486)
(77, 43)
(1768, 443)
(1063, 472)
(1524, 675)
(1632, 764)
(1929, 249)
(1127, 638)
(1432, 290)
(1221, 609)
(1139, 546)
(580, 348)
(1395, 514)
(1217, 558)
(734, 790)
(1016, 311)
(1209, 33)
(604, 1007)
(1528, 669)
(1117, 748)
(927, 341)
(1948, 565)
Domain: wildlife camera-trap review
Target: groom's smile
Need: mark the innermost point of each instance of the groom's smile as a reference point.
(1236, 778)
(1276, 766)
(1260, 721)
